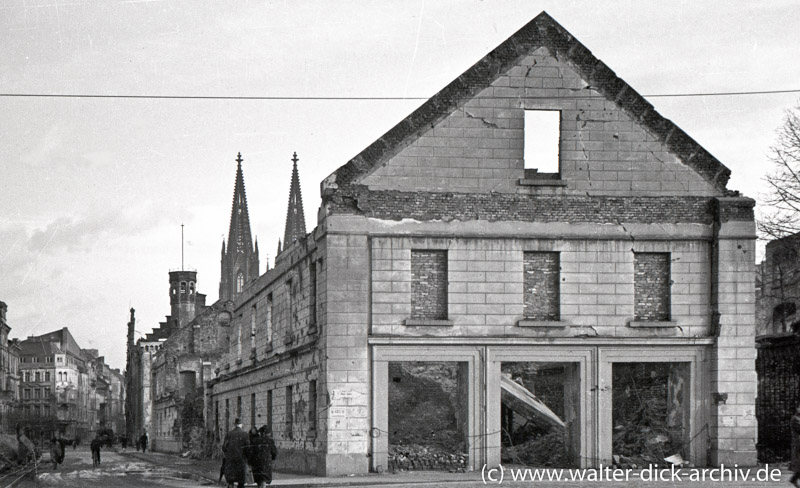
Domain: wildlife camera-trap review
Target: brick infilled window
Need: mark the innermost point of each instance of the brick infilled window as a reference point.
(651, 285)
(429, 285)
(541, 282)
(542, 133)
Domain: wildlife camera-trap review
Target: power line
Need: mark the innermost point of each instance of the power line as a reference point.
(367, 98)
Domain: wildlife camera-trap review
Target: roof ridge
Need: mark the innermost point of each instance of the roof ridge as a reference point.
(541, 31)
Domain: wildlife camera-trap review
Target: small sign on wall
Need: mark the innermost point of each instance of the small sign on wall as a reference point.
(338, 412)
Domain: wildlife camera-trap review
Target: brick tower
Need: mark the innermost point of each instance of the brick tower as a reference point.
(239, 262)
(183, 297)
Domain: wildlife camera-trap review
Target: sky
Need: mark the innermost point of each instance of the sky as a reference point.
(93, 191)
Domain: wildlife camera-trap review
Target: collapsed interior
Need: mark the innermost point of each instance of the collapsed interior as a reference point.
(539, 414)
(428, 412)
(650, 413)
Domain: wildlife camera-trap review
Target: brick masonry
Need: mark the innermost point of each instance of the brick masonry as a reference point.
(429, 285)
(541, 285)
(426, 206)
(651, 286)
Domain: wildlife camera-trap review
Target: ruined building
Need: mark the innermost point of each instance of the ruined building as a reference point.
(185, 303)
(189, 355)
(597, 300)
(778, 342)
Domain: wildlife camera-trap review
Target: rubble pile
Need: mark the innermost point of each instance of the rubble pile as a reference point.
(546, 450)
(408, 457)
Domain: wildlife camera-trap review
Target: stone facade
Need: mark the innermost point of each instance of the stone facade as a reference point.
(446, 195)
(65, 390)
(9, 375)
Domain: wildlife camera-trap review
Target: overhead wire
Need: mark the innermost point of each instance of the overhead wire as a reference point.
(367, 98)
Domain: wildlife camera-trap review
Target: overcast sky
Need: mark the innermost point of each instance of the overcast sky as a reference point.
(93, 191)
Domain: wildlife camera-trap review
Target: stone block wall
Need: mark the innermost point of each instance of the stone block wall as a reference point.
(480, 146)
(347, 374)
(486, 283)
(732, 421)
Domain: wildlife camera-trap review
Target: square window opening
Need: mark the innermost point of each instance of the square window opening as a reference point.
(542, 135)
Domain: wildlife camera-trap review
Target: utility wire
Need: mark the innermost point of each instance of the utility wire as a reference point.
(368, 98)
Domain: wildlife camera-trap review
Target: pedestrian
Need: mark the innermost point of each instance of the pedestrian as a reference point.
(261, 453)
(124, 441)
(56, 452)
(143, 441)
(235, 451)
(95, 446)
(795, 466)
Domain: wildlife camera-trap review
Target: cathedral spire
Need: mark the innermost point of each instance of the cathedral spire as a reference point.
(240, 260)
(295, 218)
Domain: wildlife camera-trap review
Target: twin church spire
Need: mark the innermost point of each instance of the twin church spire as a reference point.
(239, 262)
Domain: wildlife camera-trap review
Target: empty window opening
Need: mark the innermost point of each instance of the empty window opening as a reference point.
(188, 382)
(312, 405)
(649, 413)
(253, 410)
(312, 276)
(540, 414)
(289, 416)
(270, 321)
(542, 133)
(269, 409)
(428, 415)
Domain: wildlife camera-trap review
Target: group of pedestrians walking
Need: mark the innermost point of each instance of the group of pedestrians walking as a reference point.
(240, 449)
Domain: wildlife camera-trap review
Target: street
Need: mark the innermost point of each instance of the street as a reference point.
(119, 470)
(133, 469)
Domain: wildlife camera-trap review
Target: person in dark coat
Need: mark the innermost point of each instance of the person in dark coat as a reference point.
(261, 453)
(143, 442)
(795, 466)
(95, 446)
(56, 452)
(235, 450)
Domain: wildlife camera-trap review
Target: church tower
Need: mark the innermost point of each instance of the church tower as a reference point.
(239, 263)
(295, 218)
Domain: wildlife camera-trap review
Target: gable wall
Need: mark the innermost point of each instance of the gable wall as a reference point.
(479, 147)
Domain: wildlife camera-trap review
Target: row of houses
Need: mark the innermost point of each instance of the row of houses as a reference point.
(463, 298)
(52, 387)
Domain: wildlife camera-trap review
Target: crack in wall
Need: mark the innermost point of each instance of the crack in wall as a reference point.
(483, 120)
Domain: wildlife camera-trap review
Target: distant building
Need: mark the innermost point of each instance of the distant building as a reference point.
(56, 395)
(185, 302)
(9, 375)
(169, 376)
